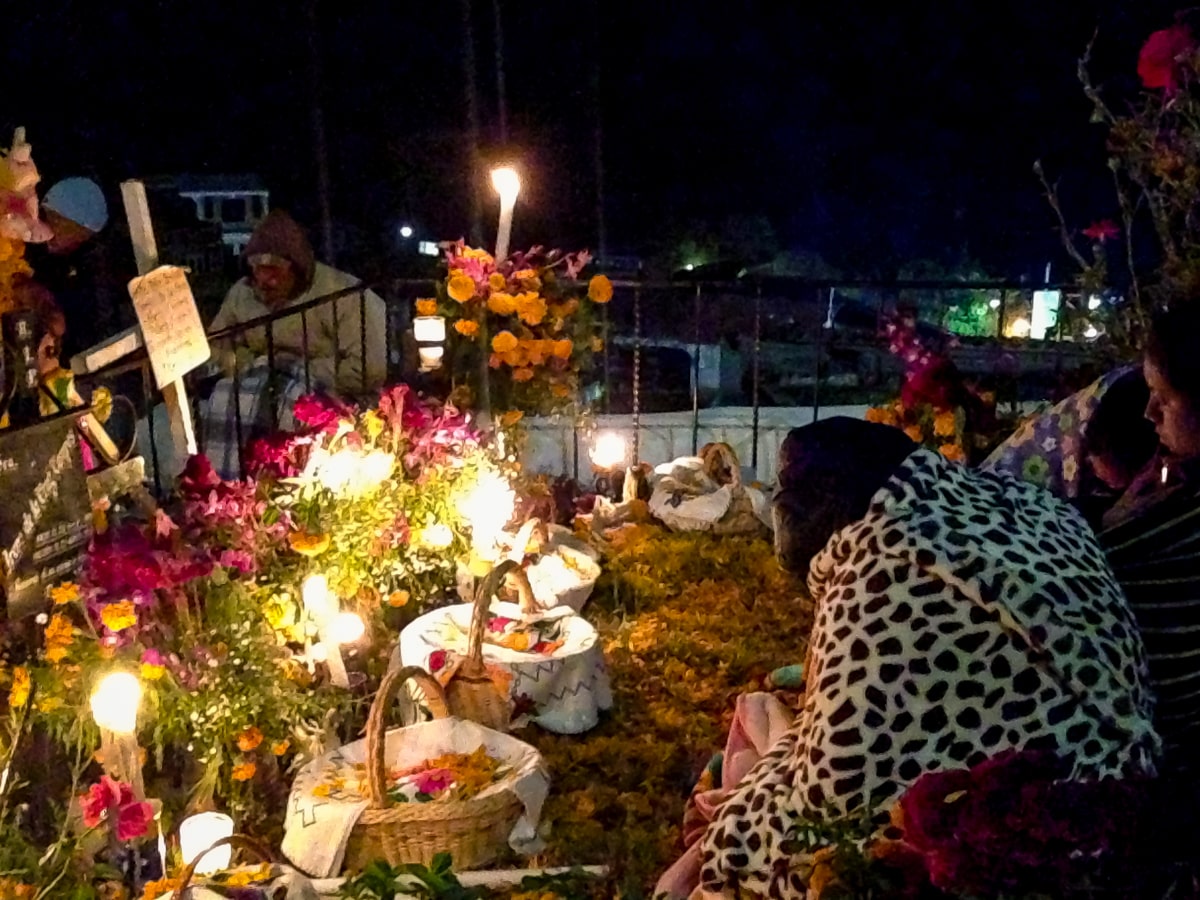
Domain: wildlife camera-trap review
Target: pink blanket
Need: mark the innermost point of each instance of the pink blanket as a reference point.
(759, 720)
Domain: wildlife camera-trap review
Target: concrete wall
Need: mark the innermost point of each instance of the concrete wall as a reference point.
(551, 446)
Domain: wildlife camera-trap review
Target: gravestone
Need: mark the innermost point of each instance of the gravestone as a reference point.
(46, 516)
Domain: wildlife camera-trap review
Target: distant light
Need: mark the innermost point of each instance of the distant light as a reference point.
(1019, 328)
(994, 303)
(427, 248)
(1091, 332)
(405, 231)
(690, 266)
(1094, 302)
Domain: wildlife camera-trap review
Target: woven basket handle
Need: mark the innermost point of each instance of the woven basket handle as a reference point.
(435, 699)
(487, 589)
(717, 456)
(522, 539)
(236, 841)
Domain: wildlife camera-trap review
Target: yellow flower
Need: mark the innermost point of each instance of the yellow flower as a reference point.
(461, 288)
(281, 748)
(562, 349)
(502, 304)
(466, 328)
(119, 616)
(60, 635)
(397, 599)
(19, 693)
(322, 789)
(945, 423)
(524, 374)
(374, 424)
(952, 452)
(600, 289)
(497, 282)
(244, 772)
(426, 307)
(155, 889)
(67, 592)
(482, 255)
(914, 432)
(152, 672)
(510, 418)
(308, 544)
(504, 342)
(249, 739)
(536, 351)
(531, 307)
(246, 877)
(882, 415)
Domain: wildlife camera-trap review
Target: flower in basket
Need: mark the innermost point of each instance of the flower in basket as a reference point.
(539, 326)
(113, 801)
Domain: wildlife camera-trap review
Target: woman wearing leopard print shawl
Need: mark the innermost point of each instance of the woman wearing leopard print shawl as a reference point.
(958, 614)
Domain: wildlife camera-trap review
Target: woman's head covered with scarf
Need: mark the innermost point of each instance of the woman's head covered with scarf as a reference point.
(828, 473)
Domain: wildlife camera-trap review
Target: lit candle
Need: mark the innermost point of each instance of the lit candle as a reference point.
(199, 832)
(321, 605)
(507, 184)
(609, 451)
(115, 704)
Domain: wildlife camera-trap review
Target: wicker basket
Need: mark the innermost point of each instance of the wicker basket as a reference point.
(237, 842)
(472, 831)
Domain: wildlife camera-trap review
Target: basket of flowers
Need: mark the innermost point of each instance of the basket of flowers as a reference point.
(407, 794)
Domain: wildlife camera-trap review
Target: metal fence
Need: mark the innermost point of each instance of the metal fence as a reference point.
(686, 346)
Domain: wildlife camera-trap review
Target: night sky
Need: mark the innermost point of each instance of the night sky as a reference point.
(871, 138)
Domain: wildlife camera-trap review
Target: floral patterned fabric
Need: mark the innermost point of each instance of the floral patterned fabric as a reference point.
(1049, 450)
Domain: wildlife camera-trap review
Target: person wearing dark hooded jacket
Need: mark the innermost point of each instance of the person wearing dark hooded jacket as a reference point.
(283, 273)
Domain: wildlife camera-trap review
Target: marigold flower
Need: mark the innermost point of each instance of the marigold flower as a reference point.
(562, 349)
(155, 889)
(952, 452)
(152, 672)
(523, 374)
(914, 432)
(398, 599)
(512, 417)
(281, 747)
(497, 282)
(249, 739)
(426, 307)
(502, 304)
(67, 592)
(531, 307)
(466, 328)
(600, 289)
(945, 424)
(119, 616)
(461, 288)
(504, 342)
(244, 771)
(308, 544)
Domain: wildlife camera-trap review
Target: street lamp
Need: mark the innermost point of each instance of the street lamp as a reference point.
(507, 183)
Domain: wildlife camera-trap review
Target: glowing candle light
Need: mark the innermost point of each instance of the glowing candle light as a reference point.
(115, 703)
(199, 832)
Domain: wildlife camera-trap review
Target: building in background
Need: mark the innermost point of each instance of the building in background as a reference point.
(235, 203)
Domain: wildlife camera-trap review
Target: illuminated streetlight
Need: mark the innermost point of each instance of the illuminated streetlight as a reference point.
(507, 183)
(406, 231)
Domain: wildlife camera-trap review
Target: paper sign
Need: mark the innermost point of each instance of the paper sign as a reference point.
(46, 523)
(171, 326)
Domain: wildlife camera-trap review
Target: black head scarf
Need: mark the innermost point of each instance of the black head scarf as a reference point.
(828, 473)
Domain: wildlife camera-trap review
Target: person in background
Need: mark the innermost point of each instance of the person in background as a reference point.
(87, 279)
(284, 273)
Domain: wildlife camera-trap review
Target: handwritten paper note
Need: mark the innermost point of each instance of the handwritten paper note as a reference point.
(171, 325)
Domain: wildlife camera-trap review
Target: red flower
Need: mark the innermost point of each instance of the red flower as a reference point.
(438, 660)
(320, 413)
(1159, 62)
(198, 475)
(107, 797)
(1104, 230)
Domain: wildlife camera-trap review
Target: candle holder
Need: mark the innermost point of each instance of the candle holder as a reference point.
(430, 335)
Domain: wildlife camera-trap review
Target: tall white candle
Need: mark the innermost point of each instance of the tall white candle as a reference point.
(507, 184)
(115, 703)
(322, 605)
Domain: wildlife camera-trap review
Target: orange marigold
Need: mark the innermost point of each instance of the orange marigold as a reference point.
(915, 433)
(280, 748)
(502, 304)
(600, 289)
(426, 307)
(952, 452)
(244, 771)
(562, 349)
(308, 544)
(512, 417)
(497, 282)
(466, 328)
(523, 374)
(249, 739)
(119, 616)
(504, 342)
(461, 288)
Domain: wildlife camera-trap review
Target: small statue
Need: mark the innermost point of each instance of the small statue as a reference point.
(18, 194)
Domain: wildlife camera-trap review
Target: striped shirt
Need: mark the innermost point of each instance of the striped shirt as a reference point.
(1156, 558)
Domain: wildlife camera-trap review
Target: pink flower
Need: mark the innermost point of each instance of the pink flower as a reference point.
(1159, 63)
(320, 413)
(499, 623)
(1104, 230)
(237, 559)
(198, 475)
(434, 781)
(153, 657)
(438, 660)
(107, 797)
